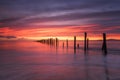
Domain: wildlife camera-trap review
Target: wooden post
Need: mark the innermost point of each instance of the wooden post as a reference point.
(63, 44)
(56, 42)
(104, 46)
(74, 44)
(85, 38)
(67, 43)
(87, 43)
(78, 46)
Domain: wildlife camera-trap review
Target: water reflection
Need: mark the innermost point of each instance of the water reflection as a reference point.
(36, 61)
(86, 65)
(106, 66)
(74, 50)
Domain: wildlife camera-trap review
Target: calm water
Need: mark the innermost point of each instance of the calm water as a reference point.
(26, 60)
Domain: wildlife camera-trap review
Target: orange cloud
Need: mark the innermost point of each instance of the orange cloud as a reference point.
(60, 32)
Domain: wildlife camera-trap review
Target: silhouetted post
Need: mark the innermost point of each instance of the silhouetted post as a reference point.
(74, 44)
(67, 43)
(85, 38)
(56, 42)
(78, 46)
(87, 43)
(104, 46)
(63, 44)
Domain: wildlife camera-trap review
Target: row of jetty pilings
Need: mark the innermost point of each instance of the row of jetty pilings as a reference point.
(86, 43)
(50, 41)
(55, 42)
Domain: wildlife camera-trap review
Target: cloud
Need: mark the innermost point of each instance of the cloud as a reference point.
(8, 37)
(1, 32)
(26, 14)
(12, 19)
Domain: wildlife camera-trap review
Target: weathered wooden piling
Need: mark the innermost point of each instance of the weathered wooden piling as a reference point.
(78, 46)
(63, 44)
(67, 43)
(104, 46)
(74, 44)
(49, 41)
(56, 42)
(85, 41)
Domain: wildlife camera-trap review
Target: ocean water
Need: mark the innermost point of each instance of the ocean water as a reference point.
(29, 60)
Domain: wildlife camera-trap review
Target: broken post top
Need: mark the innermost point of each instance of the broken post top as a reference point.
(85, 34)
(74, 37)
(104, 34)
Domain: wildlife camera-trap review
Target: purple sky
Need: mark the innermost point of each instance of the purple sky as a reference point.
(29, 14)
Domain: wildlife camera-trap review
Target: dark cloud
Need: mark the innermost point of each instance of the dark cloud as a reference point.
(8, 37)
(1, 32)
(8, 20)
(79, 15)
(11, 21)
(25, 13)
(107, 17)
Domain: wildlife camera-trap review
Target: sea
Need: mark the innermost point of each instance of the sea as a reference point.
(31, 60)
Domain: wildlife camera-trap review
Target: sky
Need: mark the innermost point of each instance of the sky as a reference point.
(36, 19)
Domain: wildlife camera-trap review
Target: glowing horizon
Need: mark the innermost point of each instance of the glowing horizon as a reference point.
(60, 33)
